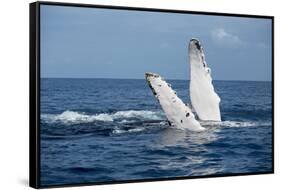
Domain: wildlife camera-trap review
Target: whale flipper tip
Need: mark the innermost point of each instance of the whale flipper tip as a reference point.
(150, 74)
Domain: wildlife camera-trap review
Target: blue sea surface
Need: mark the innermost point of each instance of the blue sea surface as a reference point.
(102, 130)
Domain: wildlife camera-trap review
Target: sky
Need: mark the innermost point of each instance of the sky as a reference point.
(79, 42)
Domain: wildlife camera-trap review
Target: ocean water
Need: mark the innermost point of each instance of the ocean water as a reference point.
(101, 130)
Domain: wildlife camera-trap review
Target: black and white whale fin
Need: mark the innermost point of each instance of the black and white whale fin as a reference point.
(204, 99)
(177, 113)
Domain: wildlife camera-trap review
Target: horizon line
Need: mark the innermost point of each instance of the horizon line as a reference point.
(144, 79)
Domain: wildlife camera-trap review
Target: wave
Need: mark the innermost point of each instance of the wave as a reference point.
(235, 123)
(120, 131)
(132, 116)
(72, 117)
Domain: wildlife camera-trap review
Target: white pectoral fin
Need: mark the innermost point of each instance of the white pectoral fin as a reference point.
(204, 99)
(177, 113)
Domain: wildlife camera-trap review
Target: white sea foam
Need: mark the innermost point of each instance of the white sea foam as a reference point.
(144, 114)
(72, 117)
(120, 131)
(234, 123)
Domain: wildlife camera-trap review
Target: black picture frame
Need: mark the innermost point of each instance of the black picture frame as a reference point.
(34, 90)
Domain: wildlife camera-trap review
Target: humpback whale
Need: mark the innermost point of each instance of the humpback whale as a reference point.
(177, 113)
(203, 97)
